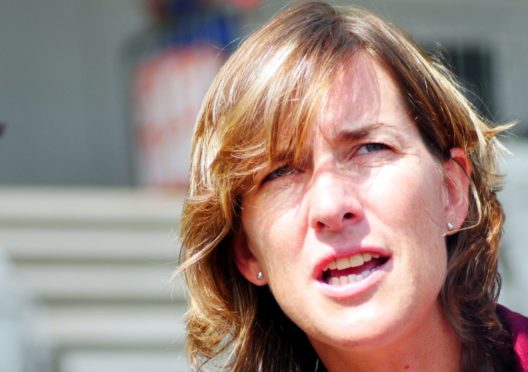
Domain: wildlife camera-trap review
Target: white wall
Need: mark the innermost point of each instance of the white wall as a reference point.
(62, 90)
(514, 197)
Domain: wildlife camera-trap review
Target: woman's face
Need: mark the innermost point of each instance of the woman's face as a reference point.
(352, 243)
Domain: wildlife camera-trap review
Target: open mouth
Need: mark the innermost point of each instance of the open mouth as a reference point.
(343, 271)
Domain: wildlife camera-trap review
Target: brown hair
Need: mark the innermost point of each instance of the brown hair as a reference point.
(280, 75)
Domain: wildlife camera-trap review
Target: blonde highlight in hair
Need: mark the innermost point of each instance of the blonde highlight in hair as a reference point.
(262, 104)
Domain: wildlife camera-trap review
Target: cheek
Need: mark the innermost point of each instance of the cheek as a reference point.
(408, 198)
(413, 212)
(272, 232)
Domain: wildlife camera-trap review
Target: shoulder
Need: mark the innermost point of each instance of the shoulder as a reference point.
(518, 326)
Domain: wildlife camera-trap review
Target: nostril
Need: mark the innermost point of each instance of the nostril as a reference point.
(347, 216)
(320, 225)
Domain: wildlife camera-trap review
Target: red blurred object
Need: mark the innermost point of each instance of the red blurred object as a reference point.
(168, 90)
(245, 3)
(157, 8)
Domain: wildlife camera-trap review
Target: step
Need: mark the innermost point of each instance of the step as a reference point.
(94, 326)
(93, 282)
(43, 245)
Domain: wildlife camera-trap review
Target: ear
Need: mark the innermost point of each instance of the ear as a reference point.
(457, 172)
(245, 260)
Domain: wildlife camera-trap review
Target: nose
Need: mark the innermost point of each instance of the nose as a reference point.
(333, 203)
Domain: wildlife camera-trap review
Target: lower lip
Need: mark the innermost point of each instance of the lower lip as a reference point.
(353, 290)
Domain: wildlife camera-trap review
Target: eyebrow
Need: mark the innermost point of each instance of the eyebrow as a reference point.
(353, 134)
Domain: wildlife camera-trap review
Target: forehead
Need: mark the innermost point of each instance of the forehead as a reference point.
(361, 95)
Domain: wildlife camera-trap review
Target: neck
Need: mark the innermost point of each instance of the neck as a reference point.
(432, 347)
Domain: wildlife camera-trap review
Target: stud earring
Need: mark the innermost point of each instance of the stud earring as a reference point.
(260, 275)
(450, 226)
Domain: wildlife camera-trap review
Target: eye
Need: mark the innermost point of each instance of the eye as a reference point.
(282, 171)
(371, 147)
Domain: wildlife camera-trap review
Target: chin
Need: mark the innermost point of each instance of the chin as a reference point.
(371, 327)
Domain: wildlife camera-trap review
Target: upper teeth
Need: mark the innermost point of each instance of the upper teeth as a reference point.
(353, 261)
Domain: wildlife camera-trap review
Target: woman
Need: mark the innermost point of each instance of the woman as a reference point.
(342, 212)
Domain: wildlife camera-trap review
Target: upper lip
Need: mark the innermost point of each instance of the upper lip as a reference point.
(323, 263)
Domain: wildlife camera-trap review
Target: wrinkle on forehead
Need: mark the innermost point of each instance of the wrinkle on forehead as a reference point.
(358, 86)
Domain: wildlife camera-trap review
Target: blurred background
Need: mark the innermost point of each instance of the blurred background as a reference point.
(99, 98)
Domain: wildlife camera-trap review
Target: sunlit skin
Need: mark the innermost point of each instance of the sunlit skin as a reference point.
(369, 184)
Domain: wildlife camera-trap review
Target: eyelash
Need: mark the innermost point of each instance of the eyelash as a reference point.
(284, 170)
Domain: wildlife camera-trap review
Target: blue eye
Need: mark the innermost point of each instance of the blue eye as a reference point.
(285, 170)
(371, 147)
